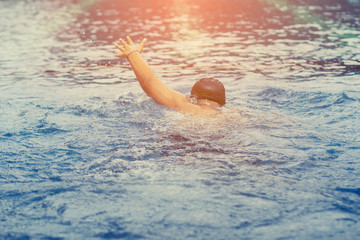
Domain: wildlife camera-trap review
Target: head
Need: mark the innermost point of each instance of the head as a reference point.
(209, 89)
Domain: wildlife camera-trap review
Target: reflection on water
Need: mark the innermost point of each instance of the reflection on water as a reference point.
(194, 35)
(84, 153)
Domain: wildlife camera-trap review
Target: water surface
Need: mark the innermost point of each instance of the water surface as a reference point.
(85, 154)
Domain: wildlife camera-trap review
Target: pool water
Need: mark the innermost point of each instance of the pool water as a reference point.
(85, 154)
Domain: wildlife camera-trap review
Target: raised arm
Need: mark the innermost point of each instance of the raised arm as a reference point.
(152, 86)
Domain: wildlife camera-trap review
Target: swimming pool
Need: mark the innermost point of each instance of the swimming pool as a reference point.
(85, 154)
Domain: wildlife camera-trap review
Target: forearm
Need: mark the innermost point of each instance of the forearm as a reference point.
(143, 72)
(149, 82)
(152, 86)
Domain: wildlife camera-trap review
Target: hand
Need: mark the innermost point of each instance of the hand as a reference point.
(129, 47)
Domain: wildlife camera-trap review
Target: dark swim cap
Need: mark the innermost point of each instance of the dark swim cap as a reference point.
(210, 89)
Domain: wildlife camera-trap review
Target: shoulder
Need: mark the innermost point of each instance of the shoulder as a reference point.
(179, 102)
(193, 109)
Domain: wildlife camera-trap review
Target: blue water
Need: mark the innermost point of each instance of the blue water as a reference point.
(85, 154)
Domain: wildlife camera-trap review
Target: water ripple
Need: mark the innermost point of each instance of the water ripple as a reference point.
(84, 153)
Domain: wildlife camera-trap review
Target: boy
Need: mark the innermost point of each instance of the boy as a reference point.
(207, 94)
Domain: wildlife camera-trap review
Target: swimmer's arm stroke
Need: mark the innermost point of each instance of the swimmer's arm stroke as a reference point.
(149, 82)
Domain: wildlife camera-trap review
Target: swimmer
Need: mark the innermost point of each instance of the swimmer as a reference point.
(207, 95)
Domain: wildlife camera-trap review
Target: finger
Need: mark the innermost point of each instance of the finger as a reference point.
(130, 41)
(142, 44)
(124, 43)
(120, 47)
